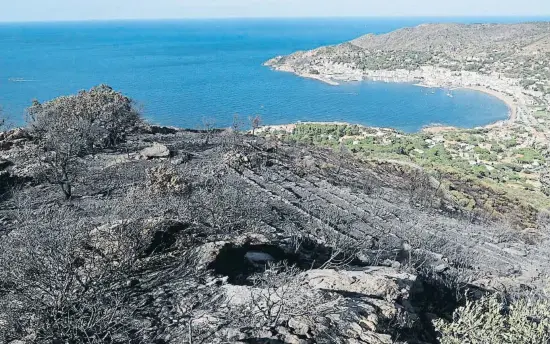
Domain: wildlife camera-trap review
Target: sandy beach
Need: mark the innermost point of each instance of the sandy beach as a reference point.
(508, 100)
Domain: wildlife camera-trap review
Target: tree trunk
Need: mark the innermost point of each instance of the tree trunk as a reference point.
(67, 189)
(66, 185)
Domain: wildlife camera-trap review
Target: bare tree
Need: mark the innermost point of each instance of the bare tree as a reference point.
(208, 125)
(54, 288)
(343, 153)
(61, 161)
(255, 123)
(64, 278)
(236, 127)
(277, 295)
(68, 128)
(237, 123)
(422, 191)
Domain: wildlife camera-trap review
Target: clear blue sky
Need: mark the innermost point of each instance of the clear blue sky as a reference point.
(48, 10)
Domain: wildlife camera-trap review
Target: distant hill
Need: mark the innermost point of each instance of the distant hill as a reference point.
(460, 38)
(516, 51)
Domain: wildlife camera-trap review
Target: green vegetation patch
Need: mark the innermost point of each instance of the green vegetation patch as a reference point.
(492, 321)
(528, 155)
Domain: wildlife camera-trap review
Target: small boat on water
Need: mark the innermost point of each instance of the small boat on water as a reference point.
(19, 80)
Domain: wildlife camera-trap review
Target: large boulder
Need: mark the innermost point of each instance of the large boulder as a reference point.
(378, 282)
(157, 150)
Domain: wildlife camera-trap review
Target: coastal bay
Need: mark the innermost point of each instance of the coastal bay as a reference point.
(188, 73)
(427, 77)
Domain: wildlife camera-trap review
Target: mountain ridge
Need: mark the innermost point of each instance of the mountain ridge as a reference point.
(415, 38)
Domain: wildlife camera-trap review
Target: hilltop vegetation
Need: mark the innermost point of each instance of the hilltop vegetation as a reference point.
(459, 39)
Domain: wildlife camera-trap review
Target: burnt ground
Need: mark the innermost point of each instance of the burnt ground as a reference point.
(319, 208)
(289, 188)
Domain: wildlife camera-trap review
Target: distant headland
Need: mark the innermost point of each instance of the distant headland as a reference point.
(508, 61)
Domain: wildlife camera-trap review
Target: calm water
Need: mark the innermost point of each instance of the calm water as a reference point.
(181, 72)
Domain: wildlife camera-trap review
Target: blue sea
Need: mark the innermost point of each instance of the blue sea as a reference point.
(182, 73)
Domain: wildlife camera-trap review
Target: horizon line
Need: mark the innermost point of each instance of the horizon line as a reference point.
(545, 17)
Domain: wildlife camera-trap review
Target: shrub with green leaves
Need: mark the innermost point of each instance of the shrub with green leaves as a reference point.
(510, 143)
(492, 321)
(528, 155)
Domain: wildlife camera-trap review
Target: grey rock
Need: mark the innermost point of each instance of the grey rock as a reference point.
(256, 257)
(381, 282)
(177, 161)
(266, 334)
(395, 265)
(441, 268)
(299, 326)
(515, 252)
(156, 151)
(5, 164)
(292, 339)
(181, 158)
(16, 134)
(363, 258)
(234, 334)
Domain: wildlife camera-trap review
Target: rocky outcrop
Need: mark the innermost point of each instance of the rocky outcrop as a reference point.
(281, 304)
(13, 138)
(358, 306)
